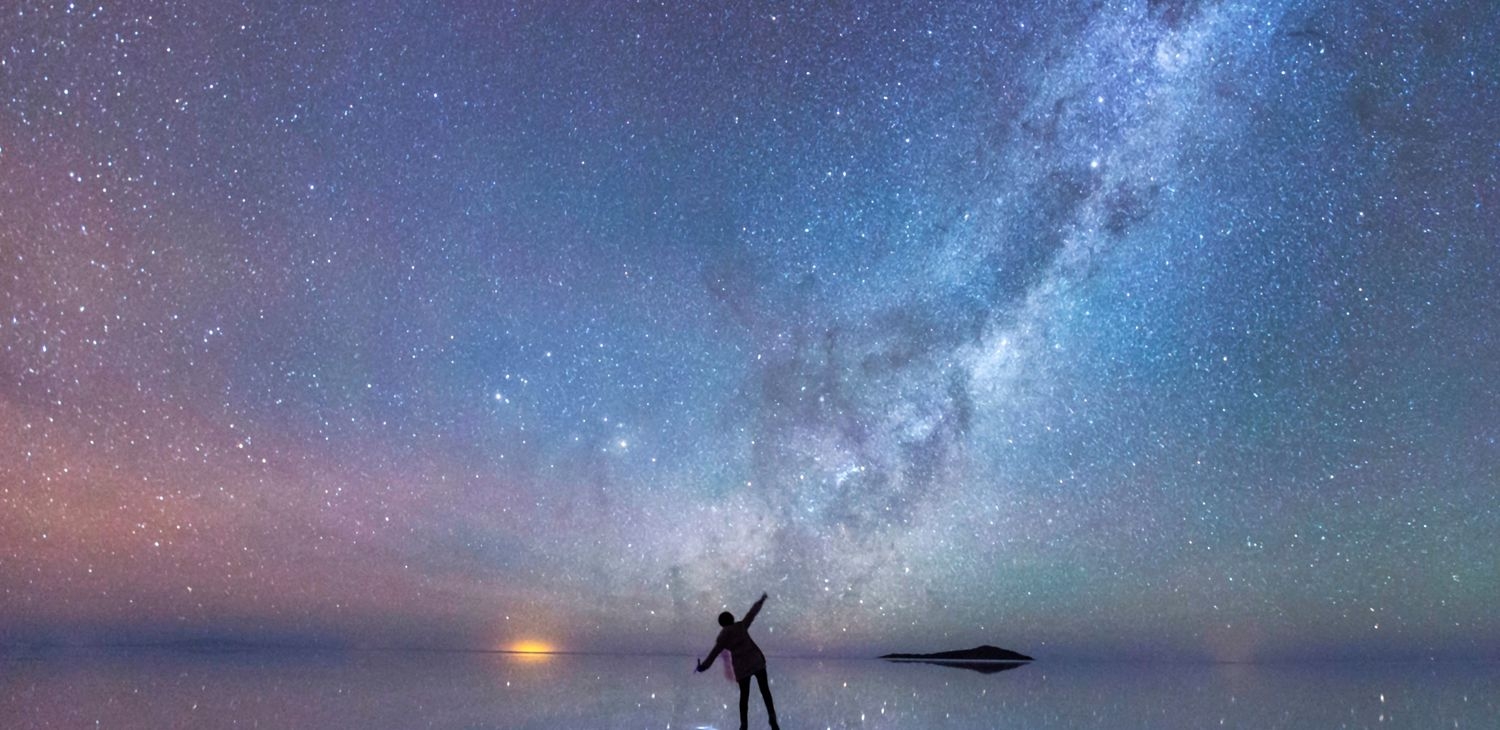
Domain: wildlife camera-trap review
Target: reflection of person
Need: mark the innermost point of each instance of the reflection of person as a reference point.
(746, 657)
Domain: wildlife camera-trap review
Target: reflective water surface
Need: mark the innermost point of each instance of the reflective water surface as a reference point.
(159, 689)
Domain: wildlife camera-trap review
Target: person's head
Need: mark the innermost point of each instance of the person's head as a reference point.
(726, 618)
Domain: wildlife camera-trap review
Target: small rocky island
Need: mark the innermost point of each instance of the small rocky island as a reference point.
(986, 659)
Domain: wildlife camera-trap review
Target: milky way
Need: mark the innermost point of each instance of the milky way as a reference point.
(1158, 328)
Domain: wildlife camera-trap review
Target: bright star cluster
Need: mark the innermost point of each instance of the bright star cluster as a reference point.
(1149, 328)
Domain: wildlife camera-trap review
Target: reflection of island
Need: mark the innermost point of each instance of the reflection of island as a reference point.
(987, 659)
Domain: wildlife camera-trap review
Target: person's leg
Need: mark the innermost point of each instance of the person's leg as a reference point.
(765, 694)
(744, 702)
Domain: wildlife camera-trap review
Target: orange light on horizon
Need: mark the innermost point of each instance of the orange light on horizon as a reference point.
(530, 646)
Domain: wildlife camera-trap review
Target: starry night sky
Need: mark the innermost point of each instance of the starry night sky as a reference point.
(1144, 328)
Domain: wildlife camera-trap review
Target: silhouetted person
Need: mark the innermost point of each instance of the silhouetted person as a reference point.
(747, 659)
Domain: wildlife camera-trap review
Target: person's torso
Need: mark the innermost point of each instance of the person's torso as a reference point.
(736, 638)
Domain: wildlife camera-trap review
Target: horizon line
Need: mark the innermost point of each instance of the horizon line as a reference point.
(235, 644)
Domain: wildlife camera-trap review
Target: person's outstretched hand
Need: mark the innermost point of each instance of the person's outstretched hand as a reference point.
(701, 668)
(763, 596)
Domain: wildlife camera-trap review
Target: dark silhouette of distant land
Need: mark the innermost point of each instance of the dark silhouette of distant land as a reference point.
(986, 659)
(984, 653)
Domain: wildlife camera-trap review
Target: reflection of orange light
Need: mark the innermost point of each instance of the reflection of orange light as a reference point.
(530, 647)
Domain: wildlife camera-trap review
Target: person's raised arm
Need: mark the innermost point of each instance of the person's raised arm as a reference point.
(750, 615)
